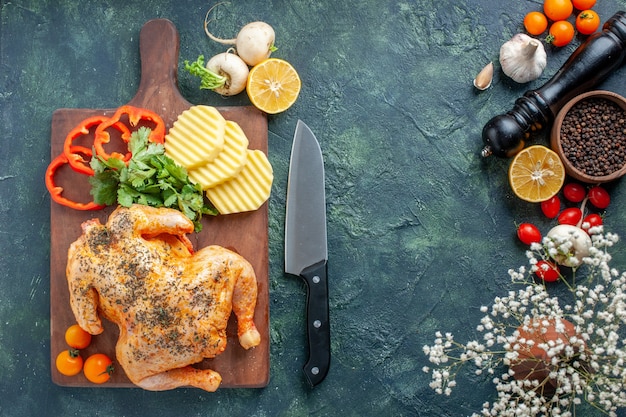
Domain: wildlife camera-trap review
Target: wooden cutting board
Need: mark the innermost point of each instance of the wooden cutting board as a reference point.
(245, 233)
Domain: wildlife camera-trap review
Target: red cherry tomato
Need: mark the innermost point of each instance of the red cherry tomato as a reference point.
(593, 220)
(528, 233)
(570, 216)
(547, 271)
(574, 192)
(551, 207)
(599, 197)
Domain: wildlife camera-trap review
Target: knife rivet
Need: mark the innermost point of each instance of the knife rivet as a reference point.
(316, 279)
(315, 370)
(317, 324)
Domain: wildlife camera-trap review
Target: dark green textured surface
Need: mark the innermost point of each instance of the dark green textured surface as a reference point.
(421, 229)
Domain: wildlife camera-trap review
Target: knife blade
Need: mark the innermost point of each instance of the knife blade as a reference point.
(306, 251)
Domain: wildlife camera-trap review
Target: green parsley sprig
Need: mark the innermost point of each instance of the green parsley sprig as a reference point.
(209, 80)
(151, 178)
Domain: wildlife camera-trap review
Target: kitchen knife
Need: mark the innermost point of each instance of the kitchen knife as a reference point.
(306, 252)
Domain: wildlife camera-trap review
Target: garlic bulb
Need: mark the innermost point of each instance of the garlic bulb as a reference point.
(572, 244)
(523, 58)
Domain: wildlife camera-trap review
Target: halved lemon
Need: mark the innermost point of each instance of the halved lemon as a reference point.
(536, 174)
(273, 85)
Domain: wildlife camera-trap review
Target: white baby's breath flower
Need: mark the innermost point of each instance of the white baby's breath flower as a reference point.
(584, 364)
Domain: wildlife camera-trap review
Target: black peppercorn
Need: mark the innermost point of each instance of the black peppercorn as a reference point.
(592, 135)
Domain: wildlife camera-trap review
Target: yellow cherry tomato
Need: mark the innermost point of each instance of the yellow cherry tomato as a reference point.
(69, 362)
(76, 337)
(587, 22)
(557, 10)
(98, 368)
(535, 23)
(561, 33)
(583, 4)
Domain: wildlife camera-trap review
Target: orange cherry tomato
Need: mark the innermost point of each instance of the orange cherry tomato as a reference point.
(98, 368)
(561, 33)
(76, 337)
(557, 10)
(535, 23)
(587, 22)
(69, 362)
(584, 4)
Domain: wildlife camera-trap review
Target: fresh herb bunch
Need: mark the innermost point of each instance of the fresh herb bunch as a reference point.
(547, 355)
(150, 178)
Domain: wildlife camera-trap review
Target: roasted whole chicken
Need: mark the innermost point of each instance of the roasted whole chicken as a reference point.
(171, 304)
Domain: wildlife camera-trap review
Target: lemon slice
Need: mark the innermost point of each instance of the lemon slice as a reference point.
(536, 174)
(273, 85)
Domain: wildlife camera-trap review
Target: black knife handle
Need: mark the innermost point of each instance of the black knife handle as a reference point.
(318, 323)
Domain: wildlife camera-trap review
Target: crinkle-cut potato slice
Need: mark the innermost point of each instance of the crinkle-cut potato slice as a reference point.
(248, 190)
(196, 137)
(228, 163)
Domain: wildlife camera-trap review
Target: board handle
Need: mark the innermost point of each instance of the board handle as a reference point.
(158, 91)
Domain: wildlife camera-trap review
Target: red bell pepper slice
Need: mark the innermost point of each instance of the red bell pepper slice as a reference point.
(135, 115)
(57, 191)
(77, 162)
(82, 163)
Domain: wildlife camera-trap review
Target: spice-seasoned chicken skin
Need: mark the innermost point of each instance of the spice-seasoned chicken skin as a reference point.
(171, 304)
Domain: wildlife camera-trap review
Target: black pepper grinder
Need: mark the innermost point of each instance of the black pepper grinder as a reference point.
(591, 62)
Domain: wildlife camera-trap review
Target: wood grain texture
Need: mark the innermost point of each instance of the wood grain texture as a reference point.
(245, 233)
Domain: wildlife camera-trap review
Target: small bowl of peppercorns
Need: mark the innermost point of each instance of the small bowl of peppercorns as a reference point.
(589, 135)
